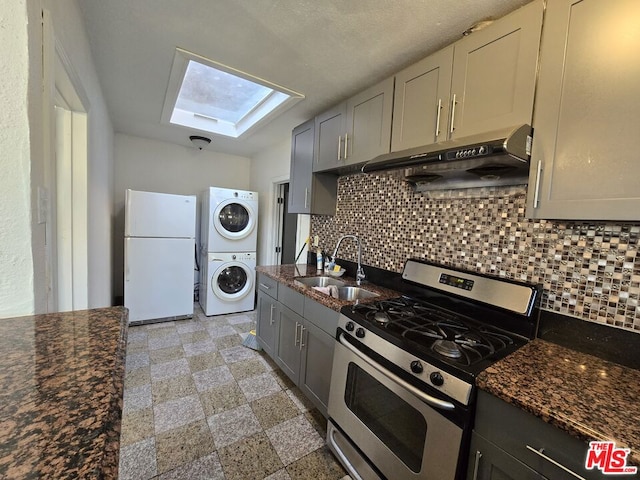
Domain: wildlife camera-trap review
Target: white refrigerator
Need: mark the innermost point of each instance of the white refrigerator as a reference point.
(159, 243)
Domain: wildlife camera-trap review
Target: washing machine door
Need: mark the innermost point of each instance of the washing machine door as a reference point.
(232, 281)
(234, 219)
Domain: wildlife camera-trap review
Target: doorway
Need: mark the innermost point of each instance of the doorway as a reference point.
(66, 190)
(287, 227)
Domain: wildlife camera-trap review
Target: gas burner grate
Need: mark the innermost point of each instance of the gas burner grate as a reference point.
(448, 335)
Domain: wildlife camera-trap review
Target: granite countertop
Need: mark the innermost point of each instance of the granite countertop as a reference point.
(61, 381)
(286, 274)
(589, 398)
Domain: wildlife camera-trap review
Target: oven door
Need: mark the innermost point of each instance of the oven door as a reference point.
(398, 428)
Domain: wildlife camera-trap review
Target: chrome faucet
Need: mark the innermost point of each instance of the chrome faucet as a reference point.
(360, 272)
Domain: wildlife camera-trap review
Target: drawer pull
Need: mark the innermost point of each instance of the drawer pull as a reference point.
(453, 114)
(302, 329)
(265, 286)
(551, 460)
(295, 338)
(477, 464)
(438, 118)
(536, 196)
(346, 145)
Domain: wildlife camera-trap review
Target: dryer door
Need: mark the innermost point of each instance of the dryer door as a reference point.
(234, 219)
(232, 281)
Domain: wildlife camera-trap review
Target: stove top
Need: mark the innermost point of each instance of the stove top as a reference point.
(455, 321)
(431, 331)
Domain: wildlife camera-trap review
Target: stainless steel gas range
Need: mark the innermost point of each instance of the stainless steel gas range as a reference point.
(402, 388)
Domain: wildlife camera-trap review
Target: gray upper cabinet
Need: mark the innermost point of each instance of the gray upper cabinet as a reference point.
(584, 156)
(309, 192)
(421, 102)
(494, 74)
(356, 130)
(368, 127)
(484, 82)
(329, 150)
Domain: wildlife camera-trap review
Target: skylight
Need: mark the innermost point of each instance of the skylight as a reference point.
(214, 98)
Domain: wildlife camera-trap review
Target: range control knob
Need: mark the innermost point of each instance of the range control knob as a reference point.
(360, 332)
(416, 367)
(437, 379)
(349, 326)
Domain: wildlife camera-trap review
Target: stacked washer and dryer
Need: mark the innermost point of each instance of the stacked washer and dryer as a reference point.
(229, 237)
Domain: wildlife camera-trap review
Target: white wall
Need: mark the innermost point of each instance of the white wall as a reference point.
(70, 32)
(269, 168)
(23, 283)
(16, 264)
(151, 165)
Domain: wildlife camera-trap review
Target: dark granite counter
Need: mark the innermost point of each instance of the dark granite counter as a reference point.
(587, 397)
(286, 274)
(61, 384)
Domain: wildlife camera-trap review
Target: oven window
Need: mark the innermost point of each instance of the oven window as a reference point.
(397, 424)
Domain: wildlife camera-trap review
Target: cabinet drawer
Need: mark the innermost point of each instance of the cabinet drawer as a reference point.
(518, 433)
(291, 299)
(268, 285)
(321, 316)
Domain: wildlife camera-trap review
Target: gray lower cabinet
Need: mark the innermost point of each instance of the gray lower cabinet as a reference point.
(288, 348)
(489, 462)
(298, 334)
(266, 322)
(509, 443)
(584, 162)
(315, 367)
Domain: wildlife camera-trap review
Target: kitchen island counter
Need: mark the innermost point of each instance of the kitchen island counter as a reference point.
(587, 397)
(286, 274)
(62, 378)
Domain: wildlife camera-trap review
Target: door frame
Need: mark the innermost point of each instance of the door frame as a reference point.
(303, 228)
(65, 177)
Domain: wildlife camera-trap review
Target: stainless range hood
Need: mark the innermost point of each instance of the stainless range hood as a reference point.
(495, 158)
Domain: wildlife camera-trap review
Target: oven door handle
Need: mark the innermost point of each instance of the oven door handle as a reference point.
(345, 461)
(428, 399)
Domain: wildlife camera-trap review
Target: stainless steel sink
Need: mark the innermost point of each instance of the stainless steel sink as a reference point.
(354, 293)
(319, 281)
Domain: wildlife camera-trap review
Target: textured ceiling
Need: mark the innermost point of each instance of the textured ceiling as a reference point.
(327, 50)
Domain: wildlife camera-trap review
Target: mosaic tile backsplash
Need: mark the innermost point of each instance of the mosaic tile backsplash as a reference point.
(589, 270)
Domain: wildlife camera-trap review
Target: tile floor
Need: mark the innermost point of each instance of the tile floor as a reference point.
(199, 405)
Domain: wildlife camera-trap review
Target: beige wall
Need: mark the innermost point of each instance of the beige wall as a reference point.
(151, 165)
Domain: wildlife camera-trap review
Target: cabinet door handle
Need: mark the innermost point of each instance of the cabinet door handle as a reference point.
(453, 113)
(477, 465)
(302, 329)
(346, 143)
(295, 338)
(438, 118)
(306, 198)
(339, 146)
(551, 460)
(271, 314)
(536, 195)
